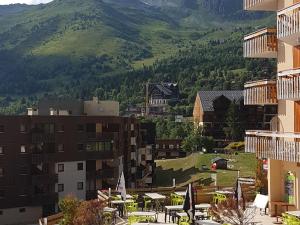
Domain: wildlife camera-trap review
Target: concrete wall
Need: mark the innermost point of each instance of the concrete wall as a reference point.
(69, 177)
(284, 3)
(286, 116)
(101, 108)
(285, 56)
(13, 216)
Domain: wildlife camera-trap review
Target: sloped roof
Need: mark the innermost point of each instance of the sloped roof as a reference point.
(207, 97)
(217, 159)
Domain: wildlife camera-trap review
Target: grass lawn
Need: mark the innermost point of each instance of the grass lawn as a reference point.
(188, 169)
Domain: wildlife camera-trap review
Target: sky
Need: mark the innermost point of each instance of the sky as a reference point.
(29, 2)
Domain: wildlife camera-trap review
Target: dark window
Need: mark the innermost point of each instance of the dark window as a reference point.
(60, 128)
(60, 187)
(61, 167)
(80, 147)
(79, 166)
(22, 210)
(1, 212)
(80, 128)
(1, 193)
(79, 185)
(91, 128)
(22, 128)
(1, 150)
(60, 147)
(1, 128)
(1, 172)
(23, 149)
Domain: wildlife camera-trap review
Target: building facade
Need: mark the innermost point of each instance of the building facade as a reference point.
(169, 149)
(280, 144)
(44, 158)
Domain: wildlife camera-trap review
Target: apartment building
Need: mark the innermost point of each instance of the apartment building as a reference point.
(57, 150)
(280, 144)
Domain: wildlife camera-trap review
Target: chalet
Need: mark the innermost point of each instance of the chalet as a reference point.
(159, 96)
(211, 107)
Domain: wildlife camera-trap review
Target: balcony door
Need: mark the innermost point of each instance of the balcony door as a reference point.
(296, 55)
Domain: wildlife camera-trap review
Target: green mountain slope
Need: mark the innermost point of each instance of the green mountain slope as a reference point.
(74, 46)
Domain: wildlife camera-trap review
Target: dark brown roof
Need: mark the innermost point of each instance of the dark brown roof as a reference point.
(207, 97)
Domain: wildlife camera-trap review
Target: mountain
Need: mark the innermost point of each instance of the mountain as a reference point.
(78, 46)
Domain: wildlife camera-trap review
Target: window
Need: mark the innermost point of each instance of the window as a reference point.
(157, 146)
(61, 168)
(79, 185)
(60, 187)
(22, 128)
(1, 193)
(80, 147)
(171, 146)
(79, 166)
(1, 150)
(132, 127)
(80, 128)
(1, 128)
(60, 148)
(60, 128)
(23, 149)
(1, 172)
(22, 210)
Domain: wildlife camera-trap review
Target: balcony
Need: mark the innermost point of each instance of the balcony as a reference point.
(45, 179)
(288, 84)
(273, 145)
(261, 44)
(46, 198)
(260, 5)
(288, 24)
(42, 138)
(102, 174)
(261, 92)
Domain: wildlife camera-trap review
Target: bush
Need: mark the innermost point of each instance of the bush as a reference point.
(235, 146)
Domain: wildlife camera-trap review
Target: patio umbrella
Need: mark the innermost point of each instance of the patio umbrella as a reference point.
(189, 203)
(121, 186)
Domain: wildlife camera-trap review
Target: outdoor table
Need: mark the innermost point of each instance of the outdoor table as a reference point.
(180, 193)
(174, 208)
(225, 192)
(156, 197)
(127, 196)
(144, 214)
(206, 222)
(197, 215)
(294, 213)
(282, 204)
(154, 224)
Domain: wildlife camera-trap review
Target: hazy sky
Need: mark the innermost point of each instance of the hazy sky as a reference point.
(30, 2)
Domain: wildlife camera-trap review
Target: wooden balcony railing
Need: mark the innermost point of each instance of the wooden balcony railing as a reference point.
(273, 145)
(261, 44)
(261, 92)
(288, 24)
(263, 5)
(288, 84)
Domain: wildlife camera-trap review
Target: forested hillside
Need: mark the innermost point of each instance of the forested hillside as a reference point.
(112, 48)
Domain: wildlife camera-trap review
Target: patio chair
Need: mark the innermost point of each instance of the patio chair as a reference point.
(260, 202)
(131, 207)
(184, 220)
(289, 219)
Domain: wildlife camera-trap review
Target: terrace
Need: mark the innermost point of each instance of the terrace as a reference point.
(288, 24)
(263, 92)
(260, 5)
(273, 145)
(261, 44)
(289, 84)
